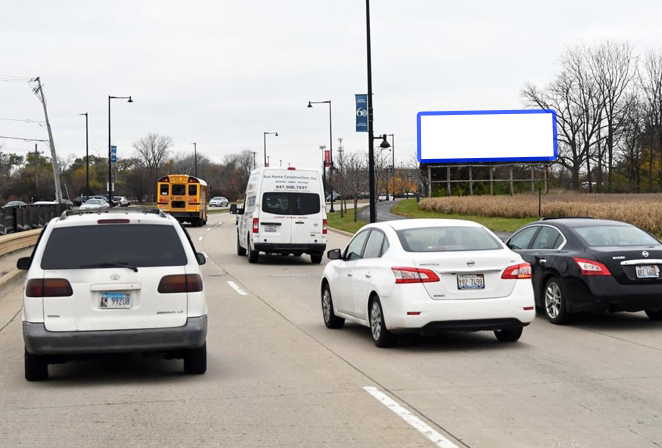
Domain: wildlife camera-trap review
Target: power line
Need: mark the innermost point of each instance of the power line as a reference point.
(27, 120)
(24, 139)
(7, 78)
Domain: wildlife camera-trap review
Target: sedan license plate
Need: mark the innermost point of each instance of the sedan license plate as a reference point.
(470, 281)
(648, 271)
(270, 229)
(115, 300)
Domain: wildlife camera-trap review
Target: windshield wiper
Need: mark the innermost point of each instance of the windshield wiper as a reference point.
(111, 265)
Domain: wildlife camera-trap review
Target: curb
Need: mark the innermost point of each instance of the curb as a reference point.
(341, 232)
(9, 277)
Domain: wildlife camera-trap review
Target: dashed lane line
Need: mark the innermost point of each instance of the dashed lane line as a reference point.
(237, 288)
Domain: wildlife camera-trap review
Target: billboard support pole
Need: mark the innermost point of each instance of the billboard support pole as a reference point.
(429, 181)
(491, 181)
(511, 180)
(546, 177)
(448, 179)
(533, 180)
(471, 182)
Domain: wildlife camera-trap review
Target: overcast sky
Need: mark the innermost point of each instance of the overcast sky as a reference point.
(220, 73)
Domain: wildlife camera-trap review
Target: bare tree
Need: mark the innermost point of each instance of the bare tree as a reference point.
(356, 178)
(153, 152)
(650, 82)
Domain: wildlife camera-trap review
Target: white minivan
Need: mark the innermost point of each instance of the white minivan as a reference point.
(284, 213)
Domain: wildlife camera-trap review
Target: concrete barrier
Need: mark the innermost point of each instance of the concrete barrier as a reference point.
(17, 241)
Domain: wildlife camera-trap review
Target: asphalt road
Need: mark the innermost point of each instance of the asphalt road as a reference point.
(278, 377)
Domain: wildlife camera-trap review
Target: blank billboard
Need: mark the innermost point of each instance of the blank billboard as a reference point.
(487, 136)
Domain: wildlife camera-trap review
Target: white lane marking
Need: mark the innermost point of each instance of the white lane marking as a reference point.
(237, 288)
(205, 254)
(208, 229)
(410, 418)
(200, 238)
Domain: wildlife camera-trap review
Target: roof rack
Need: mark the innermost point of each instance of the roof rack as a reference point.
(154, 211)
(547, 218)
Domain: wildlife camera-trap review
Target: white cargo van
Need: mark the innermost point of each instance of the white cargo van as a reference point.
(284, 213)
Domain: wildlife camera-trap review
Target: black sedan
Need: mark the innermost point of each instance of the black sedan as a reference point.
(583, 264)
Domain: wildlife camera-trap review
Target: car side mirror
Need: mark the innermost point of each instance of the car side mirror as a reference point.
(233, 209)
(201, 258)
(334, 254)
(23, 264)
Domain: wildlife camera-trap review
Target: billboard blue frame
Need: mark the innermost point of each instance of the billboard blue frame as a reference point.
(491, 159)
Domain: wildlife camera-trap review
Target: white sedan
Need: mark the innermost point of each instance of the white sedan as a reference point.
(95, 204)
(427, 275)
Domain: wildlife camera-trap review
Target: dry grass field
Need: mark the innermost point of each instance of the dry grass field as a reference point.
(641, 210)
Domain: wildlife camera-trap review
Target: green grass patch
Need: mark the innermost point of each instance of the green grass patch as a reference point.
(409, 208)
(345, 223)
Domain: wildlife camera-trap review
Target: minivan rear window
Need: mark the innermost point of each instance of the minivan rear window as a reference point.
(139, 245)
(447, 239)
(291, 203)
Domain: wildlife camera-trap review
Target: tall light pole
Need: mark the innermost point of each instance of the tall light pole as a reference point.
(265, 145)
(310, 104)
(371, 137)
(87, 157)
(195, 158)
(110, 164)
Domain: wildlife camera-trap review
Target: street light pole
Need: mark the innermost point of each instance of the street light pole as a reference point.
(310, 104)
(371, 137)
(87, 157)
(195, 158)
(110, 165)
(265, 145)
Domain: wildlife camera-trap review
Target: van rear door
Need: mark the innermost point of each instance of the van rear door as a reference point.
(307, 219)
(275, 223)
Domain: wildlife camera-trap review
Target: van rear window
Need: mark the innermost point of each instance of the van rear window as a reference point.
(291, 203)
(137, 245)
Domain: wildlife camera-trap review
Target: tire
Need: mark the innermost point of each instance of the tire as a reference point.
(195, 361)
(380, 335)
(316, 258)
(240, 250)
(36, 367)
(508, 334)
(655, 315)
(554, 301)
(330, 319)
(253, 255)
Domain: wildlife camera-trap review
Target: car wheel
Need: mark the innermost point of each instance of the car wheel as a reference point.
(240, 250)
(195, 361)
(380, 335)
(316, 258)
(253, 255)
(330, 319)
(36, 367)
(508, 334)
(555, 302)
(655, 315)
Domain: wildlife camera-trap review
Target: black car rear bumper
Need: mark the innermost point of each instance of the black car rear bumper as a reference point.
(40, 341)
(606, 294)
(282, 248)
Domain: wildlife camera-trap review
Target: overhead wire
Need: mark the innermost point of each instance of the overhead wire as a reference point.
(40, 123)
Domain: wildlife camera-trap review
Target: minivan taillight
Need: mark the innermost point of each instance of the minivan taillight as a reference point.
(171, 284)
(48, 287)
(414, 275)
(325, 227)
(591, 267)
(256, 225)
(522, 270)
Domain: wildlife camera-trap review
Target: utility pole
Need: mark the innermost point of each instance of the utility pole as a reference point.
(254, 163)
(87, 158)
(36, 172)
(39, 92)
(281, 163)
(195, 158)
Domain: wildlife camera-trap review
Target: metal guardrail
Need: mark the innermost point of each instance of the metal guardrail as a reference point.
(21, 219)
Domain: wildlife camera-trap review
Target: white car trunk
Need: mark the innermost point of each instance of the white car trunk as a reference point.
(465, 267)
(84, 311)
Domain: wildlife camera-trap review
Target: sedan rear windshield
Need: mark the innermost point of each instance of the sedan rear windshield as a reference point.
(291, 203)
(614, 236)
(445, 239)
(102, 245)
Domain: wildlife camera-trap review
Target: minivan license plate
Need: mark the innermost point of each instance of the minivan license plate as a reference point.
(648, 271)
(470, 281)
(115, 300)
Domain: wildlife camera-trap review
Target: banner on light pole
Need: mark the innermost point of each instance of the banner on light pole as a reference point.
(361, 112)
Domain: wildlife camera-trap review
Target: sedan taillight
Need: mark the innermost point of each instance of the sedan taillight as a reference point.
(522, 270)
(591, 267)
(171, 284)
(414, 275)
(48, 287)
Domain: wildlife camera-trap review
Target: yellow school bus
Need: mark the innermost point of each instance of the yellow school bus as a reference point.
(184, 197)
